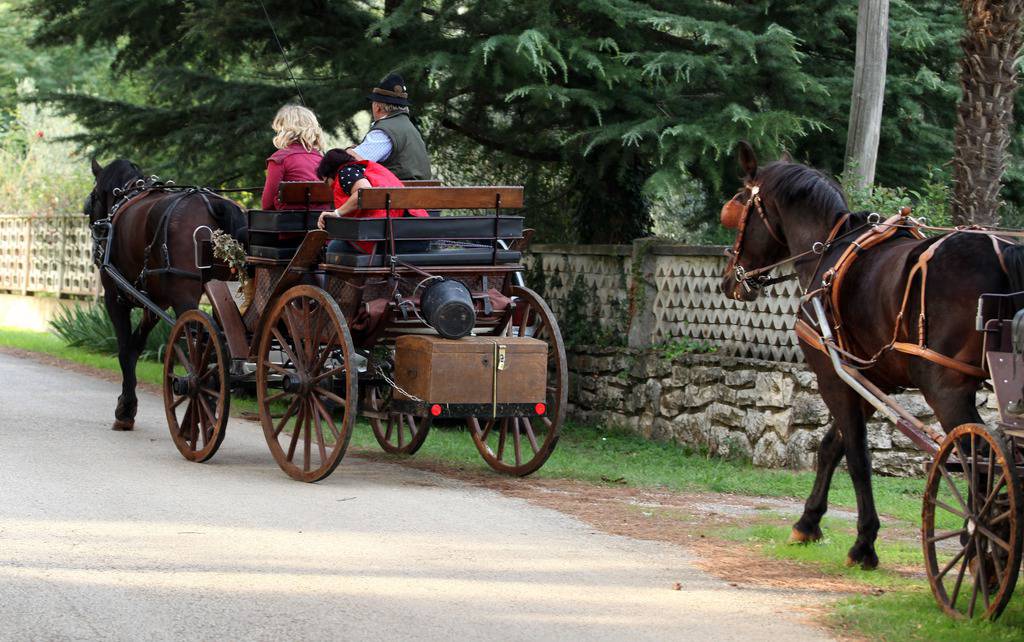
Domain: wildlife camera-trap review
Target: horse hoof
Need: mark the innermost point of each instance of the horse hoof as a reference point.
(123, 425)
(800, 537)
(867, 564)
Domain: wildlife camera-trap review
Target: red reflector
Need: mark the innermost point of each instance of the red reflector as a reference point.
(436, 410)
(540, 409)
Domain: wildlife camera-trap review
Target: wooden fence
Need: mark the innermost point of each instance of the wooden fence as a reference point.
(47, 255)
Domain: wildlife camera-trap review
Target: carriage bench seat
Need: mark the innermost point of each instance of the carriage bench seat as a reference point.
(411, 228)
(435, 258)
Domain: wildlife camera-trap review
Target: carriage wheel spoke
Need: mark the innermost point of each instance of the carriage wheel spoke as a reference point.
(329, 373)
(295, 334)
(285, 347)
(529, 435)
(992, 536)
(184, 360)
(390, 429)
(999, 519)
(981, 572)
(950, 509)
(401, 430)
(946, 535)
(277, 368)
(992, 494)
(292, 407)
(524, 322)
(306, 445)
(320, 435)
(274, 397)
(327, 417)
(951, 564)
(502, 433)
(952, 487)
(516, 438)
(330, 395)
(300, 418)
(177, 402)
(959, 577)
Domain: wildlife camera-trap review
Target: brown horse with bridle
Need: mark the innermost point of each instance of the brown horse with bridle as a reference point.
(900, 308)
(144, 242)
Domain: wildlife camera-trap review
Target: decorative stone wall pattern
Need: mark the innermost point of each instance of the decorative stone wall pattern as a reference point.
(679, 296)
(47, 254)
(767, 412)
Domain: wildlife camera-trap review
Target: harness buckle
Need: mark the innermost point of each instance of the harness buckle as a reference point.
(827, 277)
(818, 248)
(874, 218)
(740, 274)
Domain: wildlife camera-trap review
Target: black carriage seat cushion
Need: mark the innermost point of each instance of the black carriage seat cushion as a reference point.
(435, 258)
(314, 195)
(451, 228)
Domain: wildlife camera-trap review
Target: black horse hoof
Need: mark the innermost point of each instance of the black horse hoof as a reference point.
(867, 559)
(123, 425)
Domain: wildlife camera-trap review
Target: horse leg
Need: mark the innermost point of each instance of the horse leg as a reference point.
(858, 462)
(830, 453)
(120, 317)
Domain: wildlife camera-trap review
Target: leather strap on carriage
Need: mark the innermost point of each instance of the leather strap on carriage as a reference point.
(833, 279)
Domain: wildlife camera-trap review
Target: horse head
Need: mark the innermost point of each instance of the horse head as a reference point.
(778, 210)
(110, 181)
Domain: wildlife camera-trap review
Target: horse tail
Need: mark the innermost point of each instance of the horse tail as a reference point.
(1012, 258)
(230, 217)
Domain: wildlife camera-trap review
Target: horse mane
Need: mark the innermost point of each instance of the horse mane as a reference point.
(117, 174)
(793, 184)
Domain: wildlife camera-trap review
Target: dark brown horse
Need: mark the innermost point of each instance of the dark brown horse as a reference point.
(152, 246)
(797, 207)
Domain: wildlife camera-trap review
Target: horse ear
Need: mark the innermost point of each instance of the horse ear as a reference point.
(747, 159)
(786, 157)
(96, 168)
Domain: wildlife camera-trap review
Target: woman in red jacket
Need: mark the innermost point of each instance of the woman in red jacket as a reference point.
(299, 141)
(348, 176)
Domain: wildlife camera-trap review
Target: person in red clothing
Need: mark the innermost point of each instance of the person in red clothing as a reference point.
(299, 141)
(348, 176)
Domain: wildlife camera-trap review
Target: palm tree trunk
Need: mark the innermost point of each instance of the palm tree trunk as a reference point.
(988, 78)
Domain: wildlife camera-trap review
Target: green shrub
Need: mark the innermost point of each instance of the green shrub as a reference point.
(930, 203)
(90, 328)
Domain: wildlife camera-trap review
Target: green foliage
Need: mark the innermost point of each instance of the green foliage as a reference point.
(930, 202)
(42, 174)
(582, 323)
(672, 350)
(89, 327)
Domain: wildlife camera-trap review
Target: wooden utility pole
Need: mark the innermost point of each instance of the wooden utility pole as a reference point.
(988, 79)
(868, 90)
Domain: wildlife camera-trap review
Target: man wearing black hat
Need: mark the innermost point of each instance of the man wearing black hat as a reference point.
(393, 140)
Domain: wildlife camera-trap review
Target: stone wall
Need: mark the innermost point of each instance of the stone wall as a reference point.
(767, 412)
(656, 292)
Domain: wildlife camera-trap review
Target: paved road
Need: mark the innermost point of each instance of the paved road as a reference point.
(107, 535)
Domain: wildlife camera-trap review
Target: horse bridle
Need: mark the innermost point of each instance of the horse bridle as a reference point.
(760, 278)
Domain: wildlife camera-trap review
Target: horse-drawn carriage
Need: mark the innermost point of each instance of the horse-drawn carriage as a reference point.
(433, 324)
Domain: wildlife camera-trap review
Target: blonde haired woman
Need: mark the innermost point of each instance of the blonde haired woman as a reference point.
(299, 142)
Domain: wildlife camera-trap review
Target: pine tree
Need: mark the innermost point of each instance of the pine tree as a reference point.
(596, 105)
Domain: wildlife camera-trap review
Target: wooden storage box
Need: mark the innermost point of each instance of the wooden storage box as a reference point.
(471, 370)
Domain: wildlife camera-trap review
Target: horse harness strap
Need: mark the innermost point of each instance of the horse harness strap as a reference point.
(832, 281)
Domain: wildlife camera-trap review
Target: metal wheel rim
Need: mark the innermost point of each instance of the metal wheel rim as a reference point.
(509, 445)
(195, 343)
(985, 511)
(307, 428)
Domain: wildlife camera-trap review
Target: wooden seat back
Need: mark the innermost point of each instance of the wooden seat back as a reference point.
(440, 198)
(309, 194)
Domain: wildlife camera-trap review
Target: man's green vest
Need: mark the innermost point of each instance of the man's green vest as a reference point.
(408, 160)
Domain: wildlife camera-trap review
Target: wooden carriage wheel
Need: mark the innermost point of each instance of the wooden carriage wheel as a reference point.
(971, 523)
(305, 378)
(197, 395)
(521, 445)
(400, 433)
